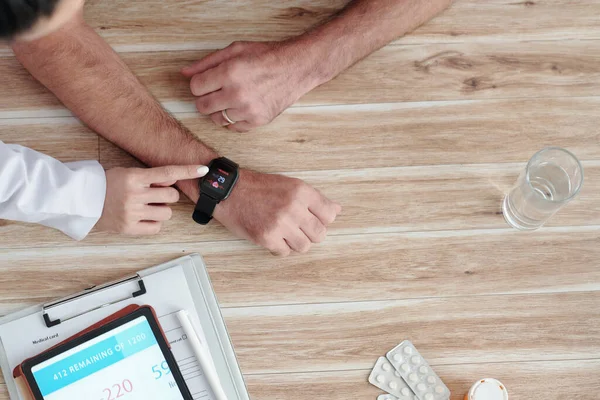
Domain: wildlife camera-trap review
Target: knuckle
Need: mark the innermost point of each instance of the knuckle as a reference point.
(254, 110)
(238, 95)
(173, 195)
(320, 232)
(170, 172)
(279, 252)
(242, 130)
(155, 229)
(268, 236)
(298, 187)
(237, 45)
(195, 83)
(128, 229)
(261, 120)
(330, 216)
(233, 69)
(304, 248)
(204, 104)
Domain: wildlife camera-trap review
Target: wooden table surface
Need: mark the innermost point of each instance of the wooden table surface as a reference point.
(419, 142)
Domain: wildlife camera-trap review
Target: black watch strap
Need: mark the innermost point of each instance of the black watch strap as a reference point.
(204, 209)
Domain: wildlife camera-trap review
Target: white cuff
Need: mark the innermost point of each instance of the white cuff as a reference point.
(91, 196)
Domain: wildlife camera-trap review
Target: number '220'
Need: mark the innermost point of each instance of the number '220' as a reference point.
(121, 389)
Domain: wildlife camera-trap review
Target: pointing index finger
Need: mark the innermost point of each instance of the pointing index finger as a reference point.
(168, 175)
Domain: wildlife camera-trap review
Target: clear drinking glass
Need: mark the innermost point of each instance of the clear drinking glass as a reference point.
(553, 177)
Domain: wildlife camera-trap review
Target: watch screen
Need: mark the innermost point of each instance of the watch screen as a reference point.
(219, 180)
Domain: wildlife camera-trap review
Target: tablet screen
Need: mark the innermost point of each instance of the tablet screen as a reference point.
(125, 363)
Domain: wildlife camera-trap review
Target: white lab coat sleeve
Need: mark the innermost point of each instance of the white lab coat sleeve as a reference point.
(40, 189)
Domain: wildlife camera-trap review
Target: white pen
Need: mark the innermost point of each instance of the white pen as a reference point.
(202, 355)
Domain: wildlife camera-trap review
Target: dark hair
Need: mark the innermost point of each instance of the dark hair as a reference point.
(17, 16)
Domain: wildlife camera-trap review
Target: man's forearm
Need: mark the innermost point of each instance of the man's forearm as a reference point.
(82, 70)
(361, 28)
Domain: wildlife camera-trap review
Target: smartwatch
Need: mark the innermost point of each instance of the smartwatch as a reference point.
(215, 187)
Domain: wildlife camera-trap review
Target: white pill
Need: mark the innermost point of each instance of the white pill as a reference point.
(431, 379)
(405, 367)
(413, 377)
(380, 378)
(439, 389)
(428, 396)
(405, 392)
(397, 357)
(407, 350)
(416, 359)
(393, 385)
(421, 387)
(397, 374)
(386, 367)
(423, 370)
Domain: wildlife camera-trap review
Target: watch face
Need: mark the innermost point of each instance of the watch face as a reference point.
(219, 180)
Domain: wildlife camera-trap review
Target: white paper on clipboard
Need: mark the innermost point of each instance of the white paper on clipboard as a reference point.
(167, 290)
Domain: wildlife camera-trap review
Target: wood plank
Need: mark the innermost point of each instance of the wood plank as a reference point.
(393, 74)
(214, 23)
(427, 198)
(549, 380)
(345, 268)
(536, 380)
(384, 135)
(459, 330)
(390, 135)
(62, 138)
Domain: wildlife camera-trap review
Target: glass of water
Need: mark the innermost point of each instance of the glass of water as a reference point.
(553, 177)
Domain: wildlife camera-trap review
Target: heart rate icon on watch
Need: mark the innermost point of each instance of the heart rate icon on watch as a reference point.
(215, 184)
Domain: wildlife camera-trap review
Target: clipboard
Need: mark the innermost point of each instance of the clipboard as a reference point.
(179, 284)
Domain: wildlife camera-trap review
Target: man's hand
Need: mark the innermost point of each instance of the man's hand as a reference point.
(136, 198)
(279, 213)
(253, 81)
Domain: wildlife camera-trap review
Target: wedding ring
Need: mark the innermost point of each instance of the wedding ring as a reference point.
(224, 113)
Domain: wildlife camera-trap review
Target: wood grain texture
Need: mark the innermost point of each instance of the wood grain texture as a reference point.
(457, 330)
(394, 74)
(395, 135)
(381, 135)
(344, 269)
(62, 138)
(214, 24)
(419, 142)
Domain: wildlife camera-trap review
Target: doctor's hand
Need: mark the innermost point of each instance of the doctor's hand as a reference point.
(252, 81)
(136, 198)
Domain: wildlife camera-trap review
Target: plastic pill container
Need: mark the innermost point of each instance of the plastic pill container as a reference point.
(487, 389)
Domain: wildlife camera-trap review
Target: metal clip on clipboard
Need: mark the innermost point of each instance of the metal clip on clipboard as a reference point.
(95, 289)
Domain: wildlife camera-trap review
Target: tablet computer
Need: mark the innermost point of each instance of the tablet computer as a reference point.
(126, 358)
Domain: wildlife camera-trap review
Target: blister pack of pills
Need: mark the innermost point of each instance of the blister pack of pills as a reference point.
(417, 373)
(386, 397)
(386, 378)
(390, 397)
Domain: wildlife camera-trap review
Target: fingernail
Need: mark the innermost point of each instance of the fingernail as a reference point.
(203, 170)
